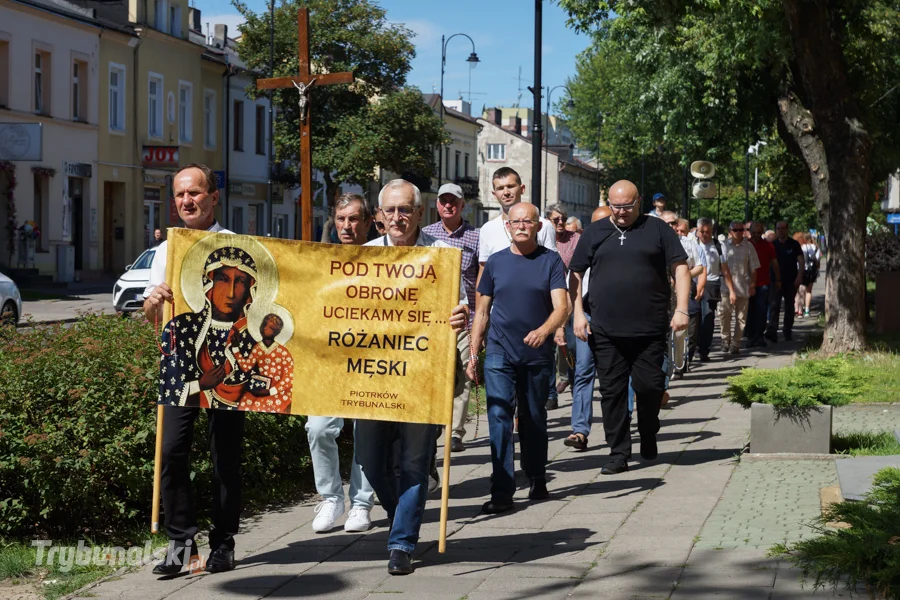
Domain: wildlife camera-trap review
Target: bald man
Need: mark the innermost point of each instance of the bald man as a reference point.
(629, 255)
(522, 293)
(583, 385)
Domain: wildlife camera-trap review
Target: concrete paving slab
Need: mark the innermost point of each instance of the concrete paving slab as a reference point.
(855, 475)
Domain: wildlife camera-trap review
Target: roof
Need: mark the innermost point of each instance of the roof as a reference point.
(76, 13)
(432, 101)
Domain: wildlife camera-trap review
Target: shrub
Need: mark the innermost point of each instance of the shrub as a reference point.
(882, 253)
(77, 431)
(832, 381)
(865, 553)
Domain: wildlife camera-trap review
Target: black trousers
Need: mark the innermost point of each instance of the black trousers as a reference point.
(787, 292)
(226, 438)
(617, 359)
(707, 325)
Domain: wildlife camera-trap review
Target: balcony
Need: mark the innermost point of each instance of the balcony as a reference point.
(469, 187)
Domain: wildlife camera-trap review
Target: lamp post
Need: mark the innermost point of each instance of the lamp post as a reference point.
(537, 129)
(571, 104)
(753, 148)
(472, 60)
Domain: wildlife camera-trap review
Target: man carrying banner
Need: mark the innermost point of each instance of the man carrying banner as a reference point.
(403, 498)
(196, 196)
(522, 291)
(352, 219)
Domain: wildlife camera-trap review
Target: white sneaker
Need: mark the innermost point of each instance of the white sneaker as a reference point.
(327, 513)
(358, 519)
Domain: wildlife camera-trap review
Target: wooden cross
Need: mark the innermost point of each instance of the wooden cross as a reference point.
(303, 82)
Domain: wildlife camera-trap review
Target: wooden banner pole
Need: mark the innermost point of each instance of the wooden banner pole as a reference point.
(445, 490)
(157, 470)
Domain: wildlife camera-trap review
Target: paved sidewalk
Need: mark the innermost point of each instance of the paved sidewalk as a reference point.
(66, 309)
(671, 528)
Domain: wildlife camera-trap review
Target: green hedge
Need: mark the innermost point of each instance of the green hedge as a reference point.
(832, 381)
(77, 431)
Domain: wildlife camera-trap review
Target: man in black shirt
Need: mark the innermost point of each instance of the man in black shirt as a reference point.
(791, 264)
(630, 256)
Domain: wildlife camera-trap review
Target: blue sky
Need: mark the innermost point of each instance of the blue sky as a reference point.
(503, 31)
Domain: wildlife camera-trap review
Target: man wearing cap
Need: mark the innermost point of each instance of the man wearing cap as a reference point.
(457, 232)
(659, 205)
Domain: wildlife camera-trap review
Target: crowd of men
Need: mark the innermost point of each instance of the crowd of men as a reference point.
(552, 304)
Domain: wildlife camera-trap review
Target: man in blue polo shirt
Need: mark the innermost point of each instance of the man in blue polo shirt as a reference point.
(525, 285)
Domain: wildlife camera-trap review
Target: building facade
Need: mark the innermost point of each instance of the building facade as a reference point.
(49, 109)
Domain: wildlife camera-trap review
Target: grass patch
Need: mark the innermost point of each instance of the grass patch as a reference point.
(865, 443)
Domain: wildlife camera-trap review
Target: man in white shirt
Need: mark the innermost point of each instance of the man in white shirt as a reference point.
(196, 197)
(494, 236)
(403, 498)
(717, 274)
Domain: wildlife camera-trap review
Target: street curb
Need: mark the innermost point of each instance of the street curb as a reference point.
(760, 456)
(27, 324)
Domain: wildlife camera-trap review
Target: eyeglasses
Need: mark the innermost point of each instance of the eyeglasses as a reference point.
(557, 220)
(379, 225)
(672, 224)
(403, 212)
(525, 222)
(624, 207)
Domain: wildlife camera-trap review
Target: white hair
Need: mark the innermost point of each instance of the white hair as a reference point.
(394, 184)
(573, 221)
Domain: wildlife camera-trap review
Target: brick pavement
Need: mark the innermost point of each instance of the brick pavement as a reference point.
(684, 526)
(66, 309)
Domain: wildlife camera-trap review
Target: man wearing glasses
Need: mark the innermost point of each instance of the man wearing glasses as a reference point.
(740, 257)
(629, 256)
(403, 498)
(522, 293)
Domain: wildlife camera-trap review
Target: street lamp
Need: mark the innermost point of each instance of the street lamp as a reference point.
(546, 143)
(753, 148)
(473, 61)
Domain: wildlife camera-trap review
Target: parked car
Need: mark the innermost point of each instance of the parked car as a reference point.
(10, 301)
(128, 293)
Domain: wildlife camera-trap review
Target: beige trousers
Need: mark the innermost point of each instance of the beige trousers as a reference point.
(738, 312)
(462, 387)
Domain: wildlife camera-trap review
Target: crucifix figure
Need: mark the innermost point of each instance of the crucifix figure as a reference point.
(304, 82)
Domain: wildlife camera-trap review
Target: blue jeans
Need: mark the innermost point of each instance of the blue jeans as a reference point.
(505, 383)
(756, 315)
(583, 387)
(322, 434)
(403, 498)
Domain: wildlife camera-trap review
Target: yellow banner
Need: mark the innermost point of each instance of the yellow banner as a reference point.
(272, 325)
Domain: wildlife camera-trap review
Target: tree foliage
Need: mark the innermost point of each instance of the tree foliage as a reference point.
(345, 35)
(704, 78)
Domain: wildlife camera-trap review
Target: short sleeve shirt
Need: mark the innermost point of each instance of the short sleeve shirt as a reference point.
(742, 261)
(158, 266)
(629, 285)
(788, 252)
(494, 237)
(466, 239)
(520, 287)
(765, 252)
(713, 261)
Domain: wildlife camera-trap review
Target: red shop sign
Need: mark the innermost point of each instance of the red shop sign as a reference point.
(160, 156)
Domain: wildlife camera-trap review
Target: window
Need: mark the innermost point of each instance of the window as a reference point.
(175, 20)
(155, 106)
(42, 82)
(466, 165)
(79, 90)
(456, 165)
(260, 129)
(239, 125)
(496, 151)
(185, 120)
(209, 119)
(160, 17)
(116, 97)
(4, 73)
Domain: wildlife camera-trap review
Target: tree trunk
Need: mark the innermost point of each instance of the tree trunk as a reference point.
(820, 113)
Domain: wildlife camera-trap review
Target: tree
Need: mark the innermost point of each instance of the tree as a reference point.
(821, 75)
(372, 122)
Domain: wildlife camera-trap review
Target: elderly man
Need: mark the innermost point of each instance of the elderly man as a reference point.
(196, 196)
(630, 255)
(583, 388)
(574, 224)
(455, 231)
(739, 256)
(522, 292)
(403, 498)
(565, 244)
(352, 219)
(791, 264)
(768, 279)
(717, 273)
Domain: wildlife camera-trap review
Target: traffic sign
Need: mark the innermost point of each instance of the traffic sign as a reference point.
(893, 218)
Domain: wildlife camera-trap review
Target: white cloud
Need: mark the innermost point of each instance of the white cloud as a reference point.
(231, 20)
